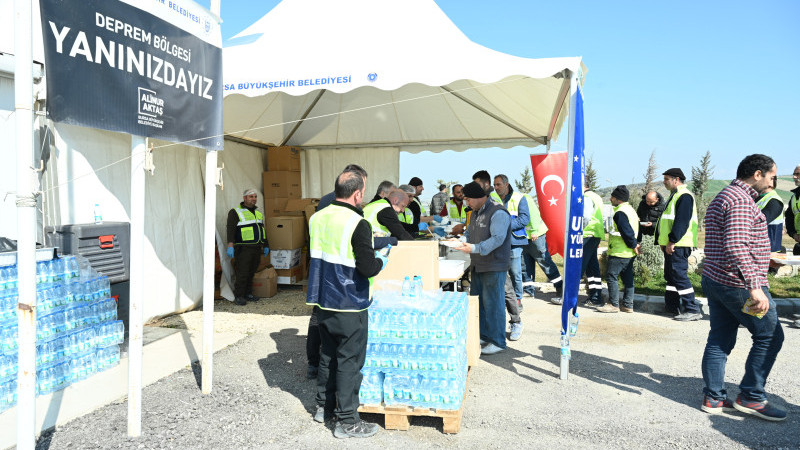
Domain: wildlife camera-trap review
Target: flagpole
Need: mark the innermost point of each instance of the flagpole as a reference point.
(573, 93)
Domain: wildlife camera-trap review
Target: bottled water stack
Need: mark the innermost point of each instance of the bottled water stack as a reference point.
(416, 350)
(77, 331)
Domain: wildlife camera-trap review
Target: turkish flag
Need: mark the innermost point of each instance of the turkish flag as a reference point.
(549, 175)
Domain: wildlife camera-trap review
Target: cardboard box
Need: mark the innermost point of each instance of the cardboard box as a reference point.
(274, 207)
(410, 258)
(309, 211)
(265, 283)
(286, 232)
(284, 158)
(282, 184)
(300, 204)
(290, 276)
(285, 259)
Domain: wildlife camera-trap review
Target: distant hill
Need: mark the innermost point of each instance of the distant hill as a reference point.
(785, 184)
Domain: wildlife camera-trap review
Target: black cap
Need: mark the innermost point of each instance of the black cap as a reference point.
(442, 187)
(415, 182)
(473, 190)
(675, 172)
(621, 193)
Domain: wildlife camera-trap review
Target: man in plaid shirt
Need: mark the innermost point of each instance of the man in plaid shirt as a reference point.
(735, 271)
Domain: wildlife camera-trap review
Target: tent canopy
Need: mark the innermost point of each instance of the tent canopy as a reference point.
(364, 74)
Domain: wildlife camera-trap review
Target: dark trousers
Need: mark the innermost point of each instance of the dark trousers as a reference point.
(313, 340)
(344, 349)
(246, 259)
(620, 266)
(591, 267)
(679, 293)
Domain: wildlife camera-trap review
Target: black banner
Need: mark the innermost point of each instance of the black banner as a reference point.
(119, 68)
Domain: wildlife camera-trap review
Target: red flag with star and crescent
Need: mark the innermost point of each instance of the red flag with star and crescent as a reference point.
(549, 175)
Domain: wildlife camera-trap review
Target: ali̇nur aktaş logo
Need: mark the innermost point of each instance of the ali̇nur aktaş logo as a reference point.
(372, 77)
(151, 108)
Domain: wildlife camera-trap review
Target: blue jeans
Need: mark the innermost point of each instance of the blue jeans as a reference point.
(536, 252)
(488, 286)
(620, 266)
(725, 307)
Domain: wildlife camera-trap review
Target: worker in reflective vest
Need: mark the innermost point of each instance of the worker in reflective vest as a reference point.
(383, 216)
(455, 209)
(536, 253)
(593, 233)
(676, 233)
(343, 263)
(622, 250)
(771, 204)
(517, 206)
(792, 214)
(246, 242)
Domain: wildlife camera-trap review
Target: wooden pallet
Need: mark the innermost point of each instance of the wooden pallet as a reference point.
(396, 417)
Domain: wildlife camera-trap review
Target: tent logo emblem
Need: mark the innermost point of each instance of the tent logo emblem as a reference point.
(372, 77)
(208, 26)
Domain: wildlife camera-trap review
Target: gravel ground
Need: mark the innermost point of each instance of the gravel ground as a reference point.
(635, 382)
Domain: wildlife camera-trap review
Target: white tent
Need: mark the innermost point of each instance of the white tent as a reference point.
(417, 55)
(361, 75)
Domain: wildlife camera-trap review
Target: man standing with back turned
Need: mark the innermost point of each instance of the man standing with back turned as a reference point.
(735, 272)
(676, 233)
(343, 263)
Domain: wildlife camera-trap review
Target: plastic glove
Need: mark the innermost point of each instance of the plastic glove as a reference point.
(266, 251)
(230, 252)
(439, 231)
(423, 226)
(437, 218)
(384, 259)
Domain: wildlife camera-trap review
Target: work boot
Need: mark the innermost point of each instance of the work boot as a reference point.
(241, 301)
(252, 298)
(359, 429)
(516, 332)
(608, 308)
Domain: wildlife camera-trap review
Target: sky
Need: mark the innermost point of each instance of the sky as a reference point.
(679, 78)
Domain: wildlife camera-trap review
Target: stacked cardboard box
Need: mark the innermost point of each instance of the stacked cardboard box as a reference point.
(282, 180)
(287, 236)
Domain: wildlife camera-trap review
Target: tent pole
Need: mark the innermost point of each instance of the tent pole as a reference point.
(573, 96)
(209, 244)
(136, 315)
(26, 226)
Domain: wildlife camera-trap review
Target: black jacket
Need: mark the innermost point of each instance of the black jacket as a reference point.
(649, 213)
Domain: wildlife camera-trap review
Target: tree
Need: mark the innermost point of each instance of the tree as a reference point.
(649, 176)
(699, 186)
(525, 186)
(591, 175)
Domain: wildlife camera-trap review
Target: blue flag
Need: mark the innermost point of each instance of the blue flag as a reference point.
(573, 250)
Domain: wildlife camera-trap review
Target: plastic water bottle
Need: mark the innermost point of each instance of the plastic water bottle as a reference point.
(407, 287)
(565, 353)
(573, 324)
(5, 274)
(417, 286)
(98, 214)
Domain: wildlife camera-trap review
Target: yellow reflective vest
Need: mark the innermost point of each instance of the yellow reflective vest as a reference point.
(616, 245)
(667, 219)
(250, 227)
